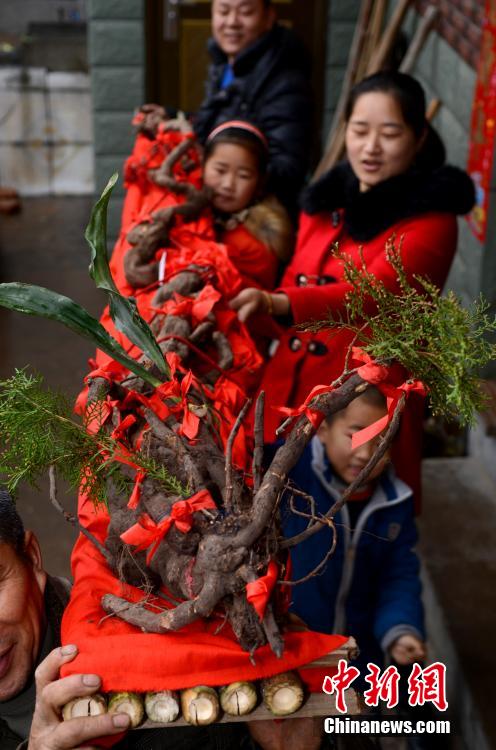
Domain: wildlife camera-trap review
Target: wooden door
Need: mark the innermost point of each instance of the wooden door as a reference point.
(177, 59)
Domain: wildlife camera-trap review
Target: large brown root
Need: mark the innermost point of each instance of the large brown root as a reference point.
(209, 566)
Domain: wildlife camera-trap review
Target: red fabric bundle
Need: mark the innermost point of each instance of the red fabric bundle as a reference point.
(231, 389)
(257, 264)
(149, 154)
(144, 196)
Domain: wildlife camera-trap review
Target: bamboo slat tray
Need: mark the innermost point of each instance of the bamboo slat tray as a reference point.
(316, 704)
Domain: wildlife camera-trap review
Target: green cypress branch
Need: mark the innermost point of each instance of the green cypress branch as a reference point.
(37, 429)
(436, 340)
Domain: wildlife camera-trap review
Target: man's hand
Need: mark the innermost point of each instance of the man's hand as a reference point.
(48, 731)
(250, 301)
(407, 649)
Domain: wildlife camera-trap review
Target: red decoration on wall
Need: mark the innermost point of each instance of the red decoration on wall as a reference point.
(483, 128)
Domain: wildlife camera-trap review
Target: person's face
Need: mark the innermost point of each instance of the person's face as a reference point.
(231, 171)
(236, 24)
(22, 583)
(336, 438)
(379, 144)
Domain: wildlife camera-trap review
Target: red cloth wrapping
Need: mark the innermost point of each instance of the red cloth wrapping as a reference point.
(231, 389)
(144, 197)
(258, 592)
(386, 379)
(146, 534)
(256, 263)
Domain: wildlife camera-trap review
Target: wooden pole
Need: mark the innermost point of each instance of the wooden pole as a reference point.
(389, 37)
(420, 37)
(372, 38)
(349, 79)
(432, 109)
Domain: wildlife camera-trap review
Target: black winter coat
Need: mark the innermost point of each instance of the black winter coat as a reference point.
(270, 88)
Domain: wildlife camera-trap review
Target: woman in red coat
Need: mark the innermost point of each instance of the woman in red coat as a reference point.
(394, 183)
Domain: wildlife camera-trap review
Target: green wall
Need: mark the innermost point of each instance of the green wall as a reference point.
(117, 58)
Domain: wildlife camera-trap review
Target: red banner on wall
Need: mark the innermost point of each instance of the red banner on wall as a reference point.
(483, 127)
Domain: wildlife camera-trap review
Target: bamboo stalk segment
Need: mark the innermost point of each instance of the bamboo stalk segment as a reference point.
(283, 694)
(129, 703)
(315, 704)
(90, 705)
(162, 707)
(200, 705)
(238, 698)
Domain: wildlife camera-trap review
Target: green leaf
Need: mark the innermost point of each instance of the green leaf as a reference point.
(36, 300)
(123, 310)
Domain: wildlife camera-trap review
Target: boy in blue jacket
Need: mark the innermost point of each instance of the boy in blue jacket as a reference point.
(370, 587)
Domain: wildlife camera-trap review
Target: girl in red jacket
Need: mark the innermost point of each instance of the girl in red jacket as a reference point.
(394, 182)
(255, 229)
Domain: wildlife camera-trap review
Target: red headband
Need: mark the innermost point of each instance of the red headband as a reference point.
(242, 125)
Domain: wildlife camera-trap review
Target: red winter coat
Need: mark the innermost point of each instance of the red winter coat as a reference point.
(315, 287)
(256, 262)
(314, 284)
(259, 241)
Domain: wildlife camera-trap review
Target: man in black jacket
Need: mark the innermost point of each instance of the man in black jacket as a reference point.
(260, 72)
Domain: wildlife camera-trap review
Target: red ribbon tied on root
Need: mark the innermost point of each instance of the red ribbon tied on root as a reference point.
(370, 370)
(148, 534)
(258, 592)
(313, 415)
(196, 308)
(175, 390)
(376, 374)
(136, 493)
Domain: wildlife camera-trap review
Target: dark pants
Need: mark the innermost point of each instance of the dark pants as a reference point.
(214, 737)
(221, 737)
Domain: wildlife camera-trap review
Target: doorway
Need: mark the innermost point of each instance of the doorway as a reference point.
(176, 48)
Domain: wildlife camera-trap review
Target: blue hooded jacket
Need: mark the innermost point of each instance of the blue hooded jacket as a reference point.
(370, 588)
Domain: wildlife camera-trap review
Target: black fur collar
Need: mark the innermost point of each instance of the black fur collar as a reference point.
(446, 189)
